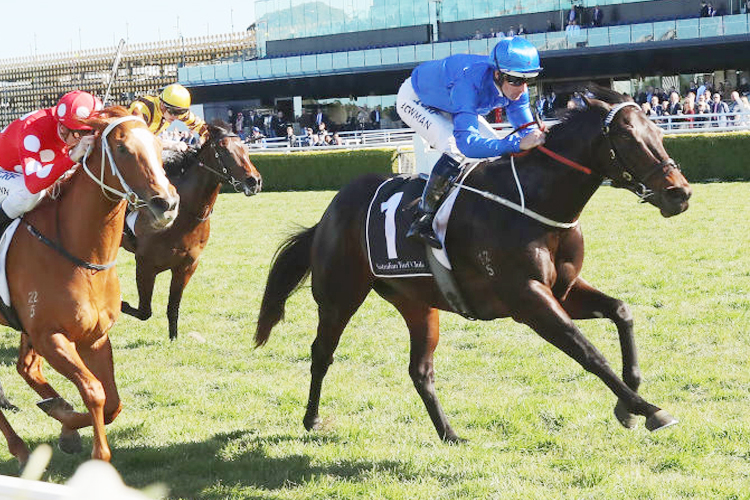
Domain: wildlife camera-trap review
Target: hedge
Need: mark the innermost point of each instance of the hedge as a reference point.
(321, 170)
(702, 157)
(719, 156)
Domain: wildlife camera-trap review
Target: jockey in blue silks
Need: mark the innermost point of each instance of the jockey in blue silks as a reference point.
(444, 100)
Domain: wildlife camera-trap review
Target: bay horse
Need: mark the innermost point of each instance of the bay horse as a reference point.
(62, 279)
(198, 177)
(507, 263)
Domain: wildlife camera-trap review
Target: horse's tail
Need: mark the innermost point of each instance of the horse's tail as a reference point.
(290, 267)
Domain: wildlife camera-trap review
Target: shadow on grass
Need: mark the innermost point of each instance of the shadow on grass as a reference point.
(207, 469)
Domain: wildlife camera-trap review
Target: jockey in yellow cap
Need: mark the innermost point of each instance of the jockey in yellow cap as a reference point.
(172, 104)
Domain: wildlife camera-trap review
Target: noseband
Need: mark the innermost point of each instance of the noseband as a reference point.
(627, 176)
(223, 173)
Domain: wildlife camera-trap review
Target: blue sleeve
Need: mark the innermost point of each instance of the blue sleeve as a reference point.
(473, 145)
(519, 113)
(466, 126)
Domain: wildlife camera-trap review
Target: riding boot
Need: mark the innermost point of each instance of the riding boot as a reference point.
(5, 220)
(441, 178)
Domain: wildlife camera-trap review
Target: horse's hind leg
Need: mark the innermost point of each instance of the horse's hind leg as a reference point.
(338, 300)
(424, 331)
(145, 276)
(16, 446)
(180, 278)
(586, 302)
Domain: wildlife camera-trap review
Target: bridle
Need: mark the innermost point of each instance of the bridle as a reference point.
(223, 172)
(127, 194)
(627, 178)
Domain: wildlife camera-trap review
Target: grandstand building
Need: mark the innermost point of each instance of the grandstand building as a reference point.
(357, 52)
(30, 83)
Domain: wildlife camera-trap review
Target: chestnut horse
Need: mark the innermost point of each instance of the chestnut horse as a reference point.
(62, 279)
(507, 263)
(198, 176)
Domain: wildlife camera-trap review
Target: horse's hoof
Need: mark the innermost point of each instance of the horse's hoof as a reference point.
(7, 405)
(452, 438)
(70, 442)
(311, 424)
(627, 419)
(52, 405)
(660, 420)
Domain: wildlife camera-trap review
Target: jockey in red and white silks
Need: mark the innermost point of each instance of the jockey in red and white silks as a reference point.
(38, 148)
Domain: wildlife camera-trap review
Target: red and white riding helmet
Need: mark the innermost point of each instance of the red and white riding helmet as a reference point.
(76, 105)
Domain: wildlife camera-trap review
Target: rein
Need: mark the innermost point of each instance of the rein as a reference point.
(62, 251)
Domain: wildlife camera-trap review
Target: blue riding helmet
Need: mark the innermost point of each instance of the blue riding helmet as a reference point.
(516, 57)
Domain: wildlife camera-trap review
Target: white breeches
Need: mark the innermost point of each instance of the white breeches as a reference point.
(15, 197)
(435, 126)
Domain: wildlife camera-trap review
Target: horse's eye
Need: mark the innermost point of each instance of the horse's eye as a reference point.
(122, 149)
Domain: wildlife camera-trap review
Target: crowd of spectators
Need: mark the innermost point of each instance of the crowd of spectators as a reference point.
(311, 129)
(721, 104)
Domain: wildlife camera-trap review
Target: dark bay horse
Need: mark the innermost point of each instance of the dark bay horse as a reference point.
(198, 176)
(507, 263)
(62, 279)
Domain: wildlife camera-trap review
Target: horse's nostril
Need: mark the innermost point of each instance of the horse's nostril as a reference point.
(161, 205)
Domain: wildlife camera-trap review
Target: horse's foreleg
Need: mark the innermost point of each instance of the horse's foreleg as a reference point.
(180, 278)
(145, 276)
(29, 366)
(424, 331)
(16, 446)
(62, 355)
(538, 308)
(586, 302)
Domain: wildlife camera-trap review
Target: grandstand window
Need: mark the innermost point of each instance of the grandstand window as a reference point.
(378, 17)
(406, 13)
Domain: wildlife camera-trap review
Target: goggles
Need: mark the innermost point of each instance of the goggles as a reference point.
(176, 112)
(517, 81)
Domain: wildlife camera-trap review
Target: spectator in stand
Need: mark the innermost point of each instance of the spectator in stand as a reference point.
(291, 139)
(375, 118)
(704, 9)
(337, 141)
(688, 108)
(646, 107)
(739, 109)
(320, 117)
(239, 123)
(572, 15)
(745, 7)
(323, 135)
(656, 106)
(743, 88)
(675, 108)
(597, 17)
(702, 108)
(553, 27)
(256, 139)
(512, 31)
(499, 34)
(521, 30)
(309, 139)
(278, 125)
(572, 29)
(720, 109)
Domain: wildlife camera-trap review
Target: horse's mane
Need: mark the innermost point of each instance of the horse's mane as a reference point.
(100, 119)
(583, 121)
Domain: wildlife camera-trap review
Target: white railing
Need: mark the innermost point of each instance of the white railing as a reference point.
(362, 139)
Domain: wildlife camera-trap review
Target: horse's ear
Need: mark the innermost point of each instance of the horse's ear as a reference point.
(591, 102)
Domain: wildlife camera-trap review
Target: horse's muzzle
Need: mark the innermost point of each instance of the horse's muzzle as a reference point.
(673, 200)
(164, 210)
(251, 186)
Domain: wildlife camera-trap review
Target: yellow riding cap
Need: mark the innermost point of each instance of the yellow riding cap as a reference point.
(176, 96)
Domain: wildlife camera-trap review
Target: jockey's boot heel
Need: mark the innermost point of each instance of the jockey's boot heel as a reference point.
(445, 171)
